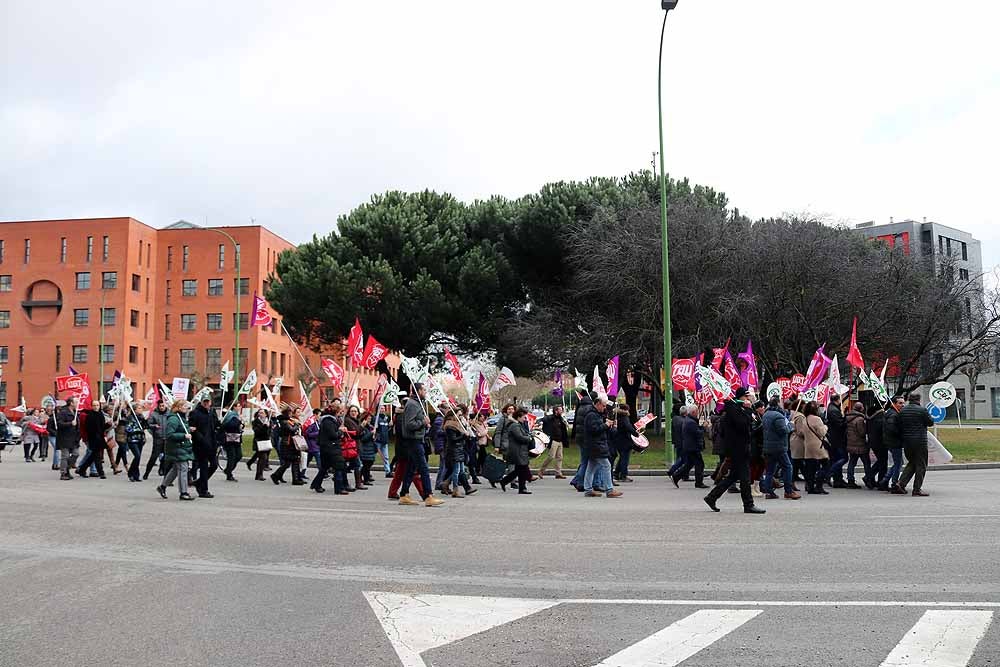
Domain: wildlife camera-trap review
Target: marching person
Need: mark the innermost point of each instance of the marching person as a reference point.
(349, 445)
(811, 430)
(232, 432)
(856, 425)
(736, 422)
(158, 427)
(692, 443)
(776, 428)
(519, 443)
(585, 403)
(382, 426)
(135, 439)
(597, 429)
(202, 423)
(67, 437)
(837, 437)
(178, 451)
(50, 427)
(261, 425)
(288, 428)
(554, 426)
(622, 444)
(331, 457)
(456, 437)
(94, 428)
(890, 435)
(876, 441)
(677, 424)
(30, 438)
(414, 429)
(367, 449)
(482, 435)
(912, 423)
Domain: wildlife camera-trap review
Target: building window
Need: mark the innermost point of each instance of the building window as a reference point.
(58, 357)
(133, 354)
(274, 361)
(81, 317)
(4, 352)
(963, 274)
(133, 318)
(166, 361)
(2, 248)
(145, 325)
(79, 354)
(187, 361)
(20, 357)
(242, 286)
(282, 358)
(947, 245)
(147, 290)
(62, 250)
(108, 354)
(90, 249)
(189, 288)
(241, 359)
(244, 321)
(264, 286)
(222, 256)
(166, 327)
(940, 244)
(215, 286)
(214, 321)
(109, 316)
(188, 322)
(136, 283)
(263, 361)
(106, 248)
(149, 252)
(109, 280)
(213, 360)
(185, 254)
(168, 291)
(27, 250)
(170, 258)
(3, 393)
(144, 350)
(4, 319)
(140, 252)
(6, 283)
(965, 251)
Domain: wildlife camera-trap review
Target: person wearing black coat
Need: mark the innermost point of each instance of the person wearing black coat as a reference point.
(519, 443)
(912, 424)
(876, 441)
(67, 436)
(837, 436)
(203, 423)
(890, 436)
(554, 426)
(331, 454)
(456, 435)
(692, 443)
(95, 425)
(261, 425)
(583, 407)
(622, 446)
(735, 424)
(597, 429)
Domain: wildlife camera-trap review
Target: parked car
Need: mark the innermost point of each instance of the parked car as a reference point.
(493, 421)
(569, 417)
(538, 413)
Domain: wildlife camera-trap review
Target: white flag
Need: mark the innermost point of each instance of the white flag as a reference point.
(249, 383)
(226, 375)
(505, 378)
(352, 398)
(21, 408)
(579, 380)
(412, 368)
(277, 381)
(597, 386)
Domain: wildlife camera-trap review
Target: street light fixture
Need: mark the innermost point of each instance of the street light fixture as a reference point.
(668, 407)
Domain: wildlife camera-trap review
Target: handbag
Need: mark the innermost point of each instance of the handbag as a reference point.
(300, 443)
(263, 445)
(234, 437)
(824, 443)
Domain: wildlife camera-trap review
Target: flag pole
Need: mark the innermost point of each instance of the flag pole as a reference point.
(309, 368)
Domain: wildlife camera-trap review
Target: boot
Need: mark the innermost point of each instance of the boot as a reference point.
(359, 483)
(446, 487)
(431, 501)
(407, 500)
(456, 494)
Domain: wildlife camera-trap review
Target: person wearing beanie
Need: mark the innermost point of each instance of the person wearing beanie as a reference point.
(735, 425)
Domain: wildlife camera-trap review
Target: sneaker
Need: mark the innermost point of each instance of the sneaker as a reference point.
(185, 496)
(431, 501)
(407, 500)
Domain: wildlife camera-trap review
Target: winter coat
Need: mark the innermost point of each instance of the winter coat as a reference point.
(97, 424)
(158, 425)
(382, 425)
(413, 427)
(330, 452)
(876, 430)
(677, 424)
(67, 431)
(500, 433)
(584, 406)
(595, 435)
(812, 430)
(232, 428)
(756, 435)
(624, 433)
(796, 441)
(367, 449)
(890, 433)
(482, 433)
(554, 426)
(29, 436)
(135, 430)
(519, 443)
(736, 421)
(455, 436)
(261, 429)
(692, 435)
(912, 424)
(775, 429)
(176, 446)
(349, 440)
(202, 423)
(312, 437)
(50, 425)
(857, 432)
(437, 434)
(715, 423)
(837, 427)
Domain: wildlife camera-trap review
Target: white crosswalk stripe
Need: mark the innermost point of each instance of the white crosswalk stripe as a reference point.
(679, 641)
(941, 638)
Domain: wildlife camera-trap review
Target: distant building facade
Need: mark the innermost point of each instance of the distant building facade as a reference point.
(109, 294)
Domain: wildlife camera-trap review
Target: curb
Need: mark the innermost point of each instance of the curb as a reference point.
(662, 472)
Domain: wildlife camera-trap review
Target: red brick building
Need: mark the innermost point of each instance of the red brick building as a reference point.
(108, 294)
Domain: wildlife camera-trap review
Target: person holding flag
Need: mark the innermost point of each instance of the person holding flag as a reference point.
(67, 436)
(232, 445)
(158, 427)
(414, 428)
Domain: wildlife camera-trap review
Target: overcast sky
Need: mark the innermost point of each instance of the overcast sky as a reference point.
(293, 113)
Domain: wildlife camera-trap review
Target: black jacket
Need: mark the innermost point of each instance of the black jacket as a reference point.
(330, 452)
(96, 424)
(554, 426)
(692, 435)
(203, 424)
(67, 432)
(837, 435)
(624, 433)
(454, 442)
(735, 425)
(595, 435)
(580, 413)
(519, 443)
(890, 433)
(677, 431)
(912, 423)
(261, 429)
(876, 431)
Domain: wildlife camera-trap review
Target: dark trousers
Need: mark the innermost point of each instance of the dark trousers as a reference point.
(691, 460)
(154, 458)
(916, 467)
(122, 454)
(207, 465)
(289, 462)
(416, 465)
(522, 473)
(881, 465)
(739, 471)
(480, 459)
(133, 470)
(852, 463)
(621, 470)
(234, 454)
(366, 471)
(815, 474)
(93, 457)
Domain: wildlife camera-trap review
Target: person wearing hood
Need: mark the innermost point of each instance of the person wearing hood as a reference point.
(736, 423)
(856, 427)
(202, 424)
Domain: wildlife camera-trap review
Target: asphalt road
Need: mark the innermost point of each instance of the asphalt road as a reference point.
(106, 573)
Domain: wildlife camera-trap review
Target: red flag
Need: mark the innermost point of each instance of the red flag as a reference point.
(456, 370)
(259, 315)
(356, 344)
(374, 352)
(333, 371)
(854, 355)
(380, 387)
(682, 374)
(730, 371)
(79, 386)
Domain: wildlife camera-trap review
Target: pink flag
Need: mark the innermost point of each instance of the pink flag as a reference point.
(333, 371)
(612, 373)
(748, 374)
(259, 317)
(730, 373)
(818, 369)
(456, 370)
(374, 352)
(356, 344)
(482, 394)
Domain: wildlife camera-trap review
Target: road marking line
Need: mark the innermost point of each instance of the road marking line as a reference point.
(418, 623)
(784, 603)
(941, 639)
(937, 516)
(332, 509)
(680, 640)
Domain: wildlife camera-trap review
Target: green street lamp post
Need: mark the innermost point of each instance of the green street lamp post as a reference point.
(236, 351)
(668, 407)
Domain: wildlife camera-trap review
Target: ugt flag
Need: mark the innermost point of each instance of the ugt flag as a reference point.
(456, 370)
(374, 353)
(259, 317)
(333, 371)
(356, 344)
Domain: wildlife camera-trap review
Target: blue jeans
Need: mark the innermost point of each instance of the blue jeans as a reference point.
(897, 465)
(457, 469)
(417, 466)
(596, 470)
(55, 451)
(679, 461)
(773, 461)
(442, 466)
(383, 450)
(838, 457)
(582, 470)
(621, 469)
